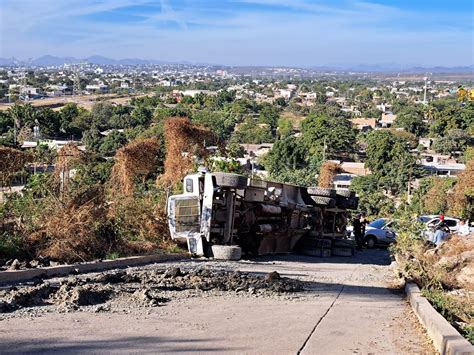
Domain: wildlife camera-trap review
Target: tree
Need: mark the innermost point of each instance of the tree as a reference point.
(216, 121)
(250, 133)
(289, 162)
(113, 141)
(92, 139)
(287, 152)
(285, 126)
(371, 199)
(101, 115)
(141, 116)
(455, 140)
(411, 119)
(390, 160)
(269, 114)
(434, 201)
(67, 115)
(336, 133)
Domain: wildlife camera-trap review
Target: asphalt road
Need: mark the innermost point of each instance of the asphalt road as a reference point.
(351, 306)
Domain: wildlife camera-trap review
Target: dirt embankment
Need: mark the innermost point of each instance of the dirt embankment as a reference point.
(116, 289)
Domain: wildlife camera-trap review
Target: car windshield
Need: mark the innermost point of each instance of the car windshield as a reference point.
(378, 223)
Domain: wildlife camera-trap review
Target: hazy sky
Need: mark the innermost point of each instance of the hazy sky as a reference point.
(243, 32)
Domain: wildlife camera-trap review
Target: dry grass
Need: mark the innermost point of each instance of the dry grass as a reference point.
(184, 143)
(136, 160)
(73, 231)
(461, 199)
(327, 173)
(11, 162)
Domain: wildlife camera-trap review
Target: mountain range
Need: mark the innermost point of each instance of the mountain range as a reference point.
(49, 60)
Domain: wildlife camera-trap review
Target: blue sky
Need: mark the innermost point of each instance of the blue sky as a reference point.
(243, 32)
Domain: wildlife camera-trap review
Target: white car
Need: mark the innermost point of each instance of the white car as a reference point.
(451, 222)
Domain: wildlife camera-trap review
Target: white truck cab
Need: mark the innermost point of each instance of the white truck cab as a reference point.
(189, 213)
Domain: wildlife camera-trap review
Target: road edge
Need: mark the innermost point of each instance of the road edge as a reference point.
(61, 270)
(446, 339)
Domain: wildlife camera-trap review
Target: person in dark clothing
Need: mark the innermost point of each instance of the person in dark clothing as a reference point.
(357, 228)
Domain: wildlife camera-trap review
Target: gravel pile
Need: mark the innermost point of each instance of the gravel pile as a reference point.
(138, 288)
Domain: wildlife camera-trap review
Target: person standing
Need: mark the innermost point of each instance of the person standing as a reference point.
(357, 228)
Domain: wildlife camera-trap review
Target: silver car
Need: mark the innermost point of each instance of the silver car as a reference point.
(379, 232)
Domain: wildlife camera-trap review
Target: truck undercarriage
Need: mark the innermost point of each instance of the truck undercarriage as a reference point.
(220, 214)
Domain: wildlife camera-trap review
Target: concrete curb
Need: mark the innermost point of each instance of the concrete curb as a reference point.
(446, 339)
(61, 270)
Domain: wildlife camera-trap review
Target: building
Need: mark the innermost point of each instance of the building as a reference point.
(97, 89)
(364, 124)
(441, 165)
(357, 169)
(425, 142)
(257, 150)
(387, 120)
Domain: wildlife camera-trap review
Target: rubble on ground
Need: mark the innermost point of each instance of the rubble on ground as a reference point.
(138, 288)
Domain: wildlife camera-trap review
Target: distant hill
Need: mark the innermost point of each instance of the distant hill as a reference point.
(395, 68)
(49, 60)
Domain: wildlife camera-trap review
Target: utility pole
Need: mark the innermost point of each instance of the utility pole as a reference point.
(324, 150)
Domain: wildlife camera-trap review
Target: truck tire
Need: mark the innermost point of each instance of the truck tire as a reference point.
(342, 202)
(324, 201)
(343, 243)
(342, 251)
(226, 252)
(343, 193)
(354, 203)
(321, 191)
(230, 180)
(350, 203)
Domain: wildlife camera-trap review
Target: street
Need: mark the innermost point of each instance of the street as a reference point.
(349, 306)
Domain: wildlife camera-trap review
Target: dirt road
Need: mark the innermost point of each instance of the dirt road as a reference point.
(348, 307)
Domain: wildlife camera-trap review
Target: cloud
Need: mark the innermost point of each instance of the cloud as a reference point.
(287, 32)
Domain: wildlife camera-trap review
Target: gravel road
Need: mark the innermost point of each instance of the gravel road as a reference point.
(310, 305)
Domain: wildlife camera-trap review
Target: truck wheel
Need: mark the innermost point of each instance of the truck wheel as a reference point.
(342, 202)
(321, 191)
(343, 193)
(324, 201)
(226, 252)
(235, 181)
(354, 203)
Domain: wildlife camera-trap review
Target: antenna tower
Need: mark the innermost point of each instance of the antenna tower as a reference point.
(76, 86)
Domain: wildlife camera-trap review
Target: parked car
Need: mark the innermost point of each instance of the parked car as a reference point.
(427, 218)
(451, 222)
(379, 232)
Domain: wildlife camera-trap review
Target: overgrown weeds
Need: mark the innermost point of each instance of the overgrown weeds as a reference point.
(87, 209)
(445, 274)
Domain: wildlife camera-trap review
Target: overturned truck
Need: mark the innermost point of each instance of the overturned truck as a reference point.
(222, 215)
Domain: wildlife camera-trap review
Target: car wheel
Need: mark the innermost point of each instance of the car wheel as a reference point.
(370, 241)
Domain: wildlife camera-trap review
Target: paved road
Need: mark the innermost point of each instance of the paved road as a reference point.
(350, 308)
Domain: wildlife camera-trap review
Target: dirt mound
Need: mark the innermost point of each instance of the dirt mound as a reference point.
(73, 295)
(137, 289)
